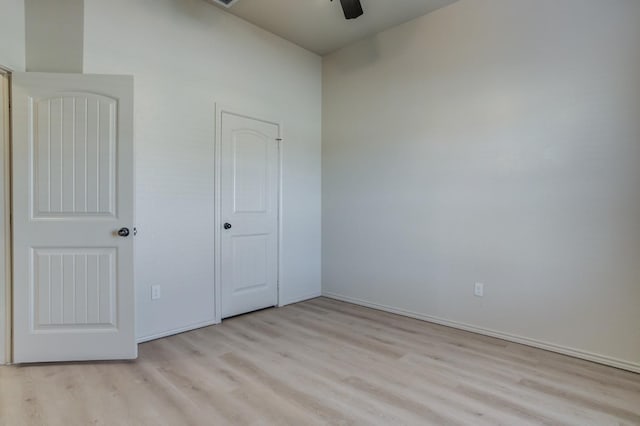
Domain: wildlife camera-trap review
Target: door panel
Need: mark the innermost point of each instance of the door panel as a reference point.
(249, 184)
(250, 262)
(74, 142)
(73, 190)
(74, 288)
(251, 166)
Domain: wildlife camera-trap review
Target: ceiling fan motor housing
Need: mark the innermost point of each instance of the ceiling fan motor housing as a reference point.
(352, 8)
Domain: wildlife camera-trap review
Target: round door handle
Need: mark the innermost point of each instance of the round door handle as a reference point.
(124, 232)
(227, 225)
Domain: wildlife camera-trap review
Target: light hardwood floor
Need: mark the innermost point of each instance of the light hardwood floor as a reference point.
(324, 362)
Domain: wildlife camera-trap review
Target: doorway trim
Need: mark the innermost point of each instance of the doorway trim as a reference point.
(6, 323)
(220, 109)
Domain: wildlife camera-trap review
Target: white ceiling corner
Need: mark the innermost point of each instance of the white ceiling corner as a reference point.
(319, 25)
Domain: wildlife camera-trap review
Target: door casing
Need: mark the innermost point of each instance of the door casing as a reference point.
(5, 231)
(220, 109)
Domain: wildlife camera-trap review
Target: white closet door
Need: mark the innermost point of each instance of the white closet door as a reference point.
(73, 217)
(249, 183)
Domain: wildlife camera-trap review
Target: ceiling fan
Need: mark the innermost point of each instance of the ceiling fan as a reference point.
(352, 8)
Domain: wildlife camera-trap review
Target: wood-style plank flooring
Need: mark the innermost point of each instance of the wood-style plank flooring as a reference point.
(324, 362)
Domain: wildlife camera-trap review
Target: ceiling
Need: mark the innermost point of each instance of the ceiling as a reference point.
(319, 25)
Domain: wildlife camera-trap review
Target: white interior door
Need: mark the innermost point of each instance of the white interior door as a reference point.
(73, 203)
(249, 180)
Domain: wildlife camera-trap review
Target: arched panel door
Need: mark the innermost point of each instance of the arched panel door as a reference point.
(249, 184)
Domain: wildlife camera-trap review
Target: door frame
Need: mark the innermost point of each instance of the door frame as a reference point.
(6, 321)
(243, 112)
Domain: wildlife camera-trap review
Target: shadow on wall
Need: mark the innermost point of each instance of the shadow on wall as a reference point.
(191, 8)
(369, 50)
(195, 10)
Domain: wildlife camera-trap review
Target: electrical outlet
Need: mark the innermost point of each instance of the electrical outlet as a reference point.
(478, 290)
(155, 292)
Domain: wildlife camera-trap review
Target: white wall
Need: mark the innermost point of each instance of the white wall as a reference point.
(186, 55)
(12, 35)
(494, 141)
(54, 35)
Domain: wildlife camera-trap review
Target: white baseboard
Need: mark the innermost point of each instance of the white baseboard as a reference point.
(589, 356)
(175, 331)
(300, 299)
(213, 322)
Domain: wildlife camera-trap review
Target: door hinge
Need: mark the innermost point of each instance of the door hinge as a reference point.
(279, 139)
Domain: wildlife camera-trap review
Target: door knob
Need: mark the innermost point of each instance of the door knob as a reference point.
(227, 225)
(124, 232)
